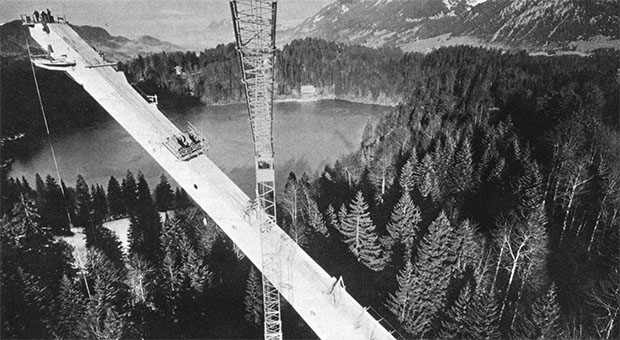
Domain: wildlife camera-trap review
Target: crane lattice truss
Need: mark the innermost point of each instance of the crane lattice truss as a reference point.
(320, 299)
(254, 25)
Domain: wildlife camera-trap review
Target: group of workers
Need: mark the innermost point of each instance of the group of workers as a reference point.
(44, 16)
(183, 141)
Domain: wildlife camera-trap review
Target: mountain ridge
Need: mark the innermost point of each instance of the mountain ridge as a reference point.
(417, 24)
(13, 37)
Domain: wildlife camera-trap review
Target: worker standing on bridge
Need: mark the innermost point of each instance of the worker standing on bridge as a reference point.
(36, 16)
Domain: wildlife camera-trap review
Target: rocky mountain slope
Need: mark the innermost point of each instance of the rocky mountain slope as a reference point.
(13, 42)
(413, 24)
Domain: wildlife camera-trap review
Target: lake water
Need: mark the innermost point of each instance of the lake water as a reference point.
(307, 136)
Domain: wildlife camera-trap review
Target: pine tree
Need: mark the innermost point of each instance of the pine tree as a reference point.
(431, 277)
(359, 233)
(83, 204)
(253, 300)
(115, 198)
(164, 196)
(546, 317)
(399, 302)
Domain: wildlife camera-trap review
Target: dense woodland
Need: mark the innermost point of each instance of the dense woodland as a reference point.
(351, 72)
(486, 205)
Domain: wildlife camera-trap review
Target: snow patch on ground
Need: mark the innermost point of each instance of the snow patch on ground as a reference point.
(120, 227)
(475, 2)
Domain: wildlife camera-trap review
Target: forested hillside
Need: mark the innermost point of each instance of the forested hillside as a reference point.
(484, 206)
(345, 72)
(494, 190)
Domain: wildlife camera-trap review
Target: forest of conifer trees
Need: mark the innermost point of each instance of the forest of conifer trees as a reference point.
(484, 206)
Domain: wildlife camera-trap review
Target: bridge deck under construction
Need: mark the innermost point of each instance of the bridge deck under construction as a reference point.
(326, 307)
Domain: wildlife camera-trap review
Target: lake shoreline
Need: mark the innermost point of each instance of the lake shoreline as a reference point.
(307, 136)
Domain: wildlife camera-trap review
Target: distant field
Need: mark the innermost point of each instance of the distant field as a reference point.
(427, 45)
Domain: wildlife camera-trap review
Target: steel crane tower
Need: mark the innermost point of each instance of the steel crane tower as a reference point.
(254, 23)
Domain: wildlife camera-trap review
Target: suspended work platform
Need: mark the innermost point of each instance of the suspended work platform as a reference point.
(323, 303)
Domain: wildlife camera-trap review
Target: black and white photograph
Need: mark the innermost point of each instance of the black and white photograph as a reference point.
(310, 169)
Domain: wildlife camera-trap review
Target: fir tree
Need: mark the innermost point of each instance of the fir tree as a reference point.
(145, 225)
(483, 320)
(359, 233)
(431, 277)
(71, 310)
(184, 263)
(99, 204)
(454, 323)
(33, 265)
(403, 225)
(107, 242)
(26, 189)
(105, 316)
(315, 219)
(83, 204)
(427, 178)
(181, 200)
(139, 278)
(54, 211)
(164, 196)
(399, 302)
(40, 191)
(460, 172)
(466, 248)
(406, 179)
(546, 317)
(115, 198)
(130, 193)
(253, 300)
